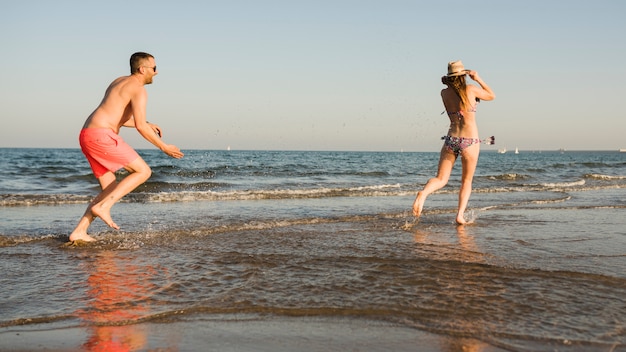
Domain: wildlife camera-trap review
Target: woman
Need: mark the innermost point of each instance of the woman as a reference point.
(460, 100)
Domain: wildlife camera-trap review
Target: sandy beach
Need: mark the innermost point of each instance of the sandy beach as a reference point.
(275, 334)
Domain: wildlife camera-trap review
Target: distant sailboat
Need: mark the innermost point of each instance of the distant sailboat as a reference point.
(516, 150)
(502, 151)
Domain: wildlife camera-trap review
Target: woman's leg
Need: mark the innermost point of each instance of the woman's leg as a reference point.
(446, 162)
(469, 160)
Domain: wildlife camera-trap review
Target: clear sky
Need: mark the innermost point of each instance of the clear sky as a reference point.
(318, 75)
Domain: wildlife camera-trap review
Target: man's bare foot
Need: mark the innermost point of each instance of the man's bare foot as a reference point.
(81, 236)
(105, 215)
(418, 205)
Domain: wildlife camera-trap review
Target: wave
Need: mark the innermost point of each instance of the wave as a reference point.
(9, 241)
(121, 240)
(604, 177)
(7, 200)
(361, 191)
(161, 186)
(158, 236)
(508, 177)
(161, 192)
(551, 201)
(592, 164)
(198, 192)
(277, 170)
(564, 184)
(521, 177)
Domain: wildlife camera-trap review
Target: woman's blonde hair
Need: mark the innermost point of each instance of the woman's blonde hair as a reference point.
(457, 83)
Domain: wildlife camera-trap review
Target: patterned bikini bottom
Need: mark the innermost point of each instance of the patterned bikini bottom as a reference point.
(456, 145)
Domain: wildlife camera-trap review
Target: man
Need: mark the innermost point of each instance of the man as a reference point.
(124, 104)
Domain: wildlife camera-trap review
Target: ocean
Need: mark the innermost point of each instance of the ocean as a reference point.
(236, 236)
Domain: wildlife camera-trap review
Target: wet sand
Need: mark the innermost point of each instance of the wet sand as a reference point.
(268, 334)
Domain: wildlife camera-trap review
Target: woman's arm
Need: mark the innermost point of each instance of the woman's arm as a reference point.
(484, 92)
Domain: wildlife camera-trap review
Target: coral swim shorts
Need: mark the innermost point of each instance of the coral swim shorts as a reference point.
(105, 150)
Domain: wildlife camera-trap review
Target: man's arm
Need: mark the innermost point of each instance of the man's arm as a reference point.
(138, 103)
(131, 123)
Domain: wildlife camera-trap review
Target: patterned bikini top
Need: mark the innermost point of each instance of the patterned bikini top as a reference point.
(459, 113)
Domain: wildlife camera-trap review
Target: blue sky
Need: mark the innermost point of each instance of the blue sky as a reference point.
(318, 75)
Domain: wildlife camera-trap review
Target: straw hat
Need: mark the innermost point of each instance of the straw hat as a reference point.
(455, 68)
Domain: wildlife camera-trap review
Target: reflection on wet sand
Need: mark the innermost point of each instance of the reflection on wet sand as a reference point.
(464, 345)
(466, 241)
(117, 298)
(469, 253)
(442, 236)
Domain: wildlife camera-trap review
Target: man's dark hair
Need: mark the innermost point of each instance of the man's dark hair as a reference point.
(137, 59)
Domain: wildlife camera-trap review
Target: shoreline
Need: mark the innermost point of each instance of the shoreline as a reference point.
(249, 334)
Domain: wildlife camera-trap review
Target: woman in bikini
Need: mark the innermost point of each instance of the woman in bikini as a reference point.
(460, 101)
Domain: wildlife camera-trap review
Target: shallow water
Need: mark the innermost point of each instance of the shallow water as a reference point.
(305, 234)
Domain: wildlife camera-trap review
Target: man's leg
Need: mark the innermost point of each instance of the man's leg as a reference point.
(139, 173)
(107, 183)
(112, 191)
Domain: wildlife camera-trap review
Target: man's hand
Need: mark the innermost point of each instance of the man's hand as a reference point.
(173, 151)
(156, 129)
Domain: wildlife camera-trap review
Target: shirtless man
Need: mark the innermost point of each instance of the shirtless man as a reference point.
(124, 104)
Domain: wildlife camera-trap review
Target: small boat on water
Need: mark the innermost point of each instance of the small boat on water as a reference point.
(516, 150)
(622, 150)
(502, 151)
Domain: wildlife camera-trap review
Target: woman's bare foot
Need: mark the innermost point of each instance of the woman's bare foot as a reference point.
(418, 205)
(81, 236)
(460, 220)
(105, 215)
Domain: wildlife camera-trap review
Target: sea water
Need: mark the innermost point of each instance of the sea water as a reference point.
(226, 234)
